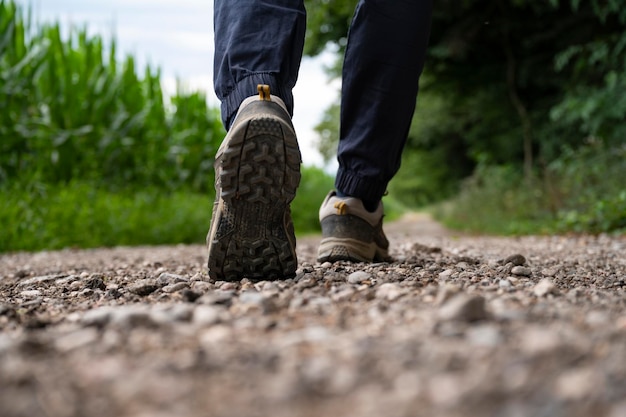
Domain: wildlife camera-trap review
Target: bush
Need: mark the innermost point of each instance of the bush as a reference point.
(582, 191)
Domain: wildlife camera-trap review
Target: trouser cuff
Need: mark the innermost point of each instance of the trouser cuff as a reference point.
(364, 188)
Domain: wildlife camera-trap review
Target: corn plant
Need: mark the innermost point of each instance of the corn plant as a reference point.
(72, 110)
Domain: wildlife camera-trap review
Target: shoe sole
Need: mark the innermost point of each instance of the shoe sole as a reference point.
(259, 175)
(345, 249)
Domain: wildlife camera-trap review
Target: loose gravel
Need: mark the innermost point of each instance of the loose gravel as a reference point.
(455, 326)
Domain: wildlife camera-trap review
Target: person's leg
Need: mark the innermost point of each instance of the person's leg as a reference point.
(258, 47)
(256, 42)
(384, 59)
(383, 62)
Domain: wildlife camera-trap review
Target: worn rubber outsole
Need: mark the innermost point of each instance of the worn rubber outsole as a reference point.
(259, 173)
(352, 250)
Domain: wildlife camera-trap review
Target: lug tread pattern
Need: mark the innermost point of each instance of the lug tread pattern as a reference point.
(259, 173)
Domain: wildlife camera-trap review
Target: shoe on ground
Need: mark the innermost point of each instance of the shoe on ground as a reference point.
(257, 172)
(350, 232)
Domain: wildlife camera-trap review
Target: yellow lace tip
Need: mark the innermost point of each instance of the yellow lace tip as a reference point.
(341, 207)
(264, 92)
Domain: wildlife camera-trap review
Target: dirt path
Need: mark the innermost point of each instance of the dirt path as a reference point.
(457, 326)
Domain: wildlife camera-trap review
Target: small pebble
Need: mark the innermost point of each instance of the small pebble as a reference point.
(505, 283)
(144, 287)
(446, 292)
(30, 293)
(544, 287)
(521, 270)
(446, 274)
(516, 259)
(166, 278)
(389, 291)
(358, 277)
(172, 288)
(463, 307)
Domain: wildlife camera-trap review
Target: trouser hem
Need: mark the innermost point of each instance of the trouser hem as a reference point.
(366, 189)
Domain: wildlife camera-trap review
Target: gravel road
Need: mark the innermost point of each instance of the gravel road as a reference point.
(456, 326)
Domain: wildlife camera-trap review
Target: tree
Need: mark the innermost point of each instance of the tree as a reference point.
(507, 82)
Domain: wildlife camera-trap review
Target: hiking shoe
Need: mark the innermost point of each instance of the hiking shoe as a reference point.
(257, 172)
(350, 232)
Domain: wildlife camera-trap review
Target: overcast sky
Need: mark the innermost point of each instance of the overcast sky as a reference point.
(177, 36)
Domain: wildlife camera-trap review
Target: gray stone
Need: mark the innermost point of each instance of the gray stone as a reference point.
(95, 282)
(463, 307)
(445, 275)
(206, 315)
(131, 316)
(144, 287)
(462, 265)
(76, 339)
(538, 340)
(549, 272)
(167, 279)
(251, 297)
(98, 317)
(484, 335)
(254, 299)
(172, 288)
(202, 286)
(545, 287)
(389, 291)
(87, 292)
(220, 297)
(505, 284)
(37, 281)
(578, 383)
(343, 294)
(164, 314)
(596, 318)
(76, 285)
(516, 259)
(521, 270)
(358, 277)
(446, 292)
(30, 293)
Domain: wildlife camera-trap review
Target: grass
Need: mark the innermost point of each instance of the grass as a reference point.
(81, 215)
(581, 192)
(39, 216)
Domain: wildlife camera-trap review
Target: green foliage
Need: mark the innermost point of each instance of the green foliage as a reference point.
(498, 200)
(590, 183)
(37, 216)
(328, 131)
(519, 77)
(582, 191)
(327, 23)
(514, 84)
(314, 186)
(72, 111)
(79, 214)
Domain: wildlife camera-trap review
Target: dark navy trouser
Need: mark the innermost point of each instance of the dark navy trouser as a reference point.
(261, 41)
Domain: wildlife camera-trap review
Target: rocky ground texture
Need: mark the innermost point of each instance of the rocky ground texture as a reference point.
(456, 326)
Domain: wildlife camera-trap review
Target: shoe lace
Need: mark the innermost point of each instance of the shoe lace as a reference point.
(342, 207)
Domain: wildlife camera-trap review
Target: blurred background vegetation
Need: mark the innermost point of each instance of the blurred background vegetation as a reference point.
(519, 129)
(521, 119)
